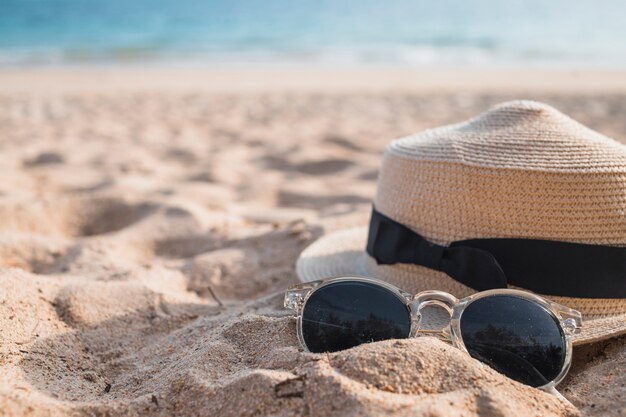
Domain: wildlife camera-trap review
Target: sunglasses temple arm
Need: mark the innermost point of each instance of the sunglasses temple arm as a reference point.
(556, 393)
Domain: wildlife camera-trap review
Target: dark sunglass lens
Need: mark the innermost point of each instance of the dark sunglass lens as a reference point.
(349, 313)
(515, 336)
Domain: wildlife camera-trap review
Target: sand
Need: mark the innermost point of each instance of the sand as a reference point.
(150, 220)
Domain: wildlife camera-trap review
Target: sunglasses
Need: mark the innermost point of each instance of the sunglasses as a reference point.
(521, 335)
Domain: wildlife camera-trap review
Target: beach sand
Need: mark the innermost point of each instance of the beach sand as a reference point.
(150, 221)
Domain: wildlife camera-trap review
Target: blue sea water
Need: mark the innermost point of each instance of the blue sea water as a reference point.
(483, 33)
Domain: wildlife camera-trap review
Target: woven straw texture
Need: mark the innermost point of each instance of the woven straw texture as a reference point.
(520, 170)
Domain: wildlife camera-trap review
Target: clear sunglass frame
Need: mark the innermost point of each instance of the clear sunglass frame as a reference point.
(570, 320)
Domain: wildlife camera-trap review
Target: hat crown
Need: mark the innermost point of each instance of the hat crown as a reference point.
(522, 169)
(518, 134)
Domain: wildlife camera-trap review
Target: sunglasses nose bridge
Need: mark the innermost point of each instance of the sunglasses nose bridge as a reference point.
(447, 301)
(431, 298)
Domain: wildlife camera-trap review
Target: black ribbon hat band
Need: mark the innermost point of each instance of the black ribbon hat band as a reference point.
(547, 267)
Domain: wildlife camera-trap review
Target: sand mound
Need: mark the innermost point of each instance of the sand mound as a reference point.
(146, 239)
(118, 347)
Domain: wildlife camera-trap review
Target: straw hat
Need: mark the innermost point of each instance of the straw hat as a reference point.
(521, 170)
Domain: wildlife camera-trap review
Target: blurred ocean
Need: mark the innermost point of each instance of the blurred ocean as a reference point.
(433, 33)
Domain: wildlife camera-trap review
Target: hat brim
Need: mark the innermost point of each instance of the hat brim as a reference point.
(342, 254)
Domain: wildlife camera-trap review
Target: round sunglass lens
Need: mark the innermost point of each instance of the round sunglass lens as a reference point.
(515, 336)
(344, 314)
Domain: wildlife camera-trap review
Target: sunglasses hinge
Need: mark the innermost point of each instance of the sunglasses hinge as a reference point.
(294, 299)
